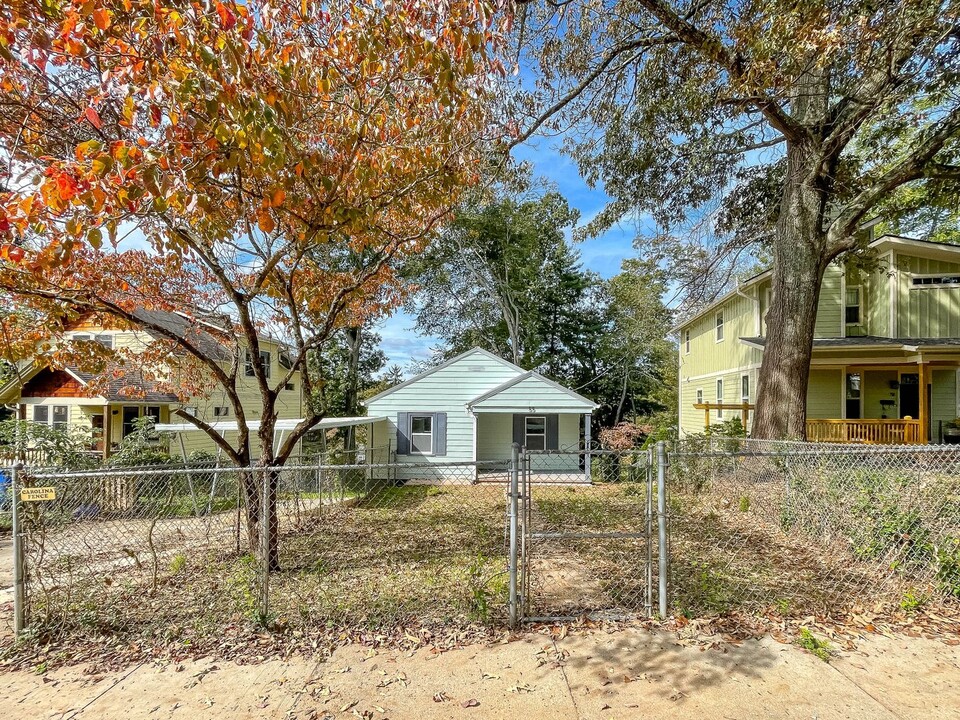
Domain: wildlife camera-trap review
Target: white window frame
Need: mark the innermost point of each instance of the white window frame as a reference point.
(686, 341)
(266, 357)
(718, 326)
(527, 434)
(411, 434)
(919, 276)
(699, 396)
(745, 398)
(221, 411)
(719, 398)
(51, 413)
(858, 306)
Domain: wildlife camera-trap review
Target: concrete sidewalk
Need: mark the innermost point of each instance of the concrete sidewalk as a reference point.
(631, 674)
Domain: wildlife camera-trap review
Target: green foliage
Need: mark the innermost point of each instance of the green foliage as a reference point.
(745, 503)
(178, 564)
(812, 644)
(912, 601)
(947, 557)
(67, 448)
(143, 446)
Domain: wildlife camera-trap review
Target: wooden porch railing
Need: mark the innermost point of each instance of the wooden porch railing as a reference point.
(880, 432)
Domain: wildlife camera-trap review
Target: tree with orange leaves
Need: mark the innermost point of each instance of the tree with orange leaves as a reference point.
(274, 157)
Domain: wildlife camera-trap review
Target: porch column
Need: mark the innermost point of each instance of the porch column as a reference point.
(924, 404)
(107, 431)
(586, 447)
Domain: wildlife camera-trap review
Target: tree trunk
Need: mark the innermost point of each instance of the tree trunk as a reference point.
(351, 399)
(800, 258)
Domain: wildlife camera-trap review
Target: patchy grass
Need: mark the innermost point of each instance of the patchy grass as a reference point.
(814, 645)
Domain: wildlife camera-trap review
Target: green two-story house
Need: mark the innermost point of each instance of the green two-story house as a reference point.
(886, 350)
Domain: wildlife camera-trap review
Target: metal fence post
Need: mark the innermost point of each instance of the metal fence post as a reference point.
(19, 564)
(265, 546)
(648, 531)
(662, 523)
(514, 498)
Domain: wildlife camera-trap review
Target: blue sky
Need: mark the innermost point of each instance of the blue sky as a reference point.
(602, 254)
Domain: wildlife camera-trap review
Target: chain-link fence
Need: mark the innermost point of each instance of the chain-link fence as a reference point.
(588, 539)
(170, 552)
(174, 553)
(804, 528)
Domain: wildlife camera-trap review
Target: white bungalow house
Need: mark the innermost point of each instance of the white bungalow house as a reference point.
(472, 408)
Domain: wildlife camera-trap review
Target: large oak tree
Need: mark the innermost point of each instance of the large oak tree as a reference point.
(665, 101)
(274, 157)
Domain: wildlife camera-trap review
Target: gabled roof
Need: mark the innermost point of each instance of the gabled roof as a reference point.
(576, 397)
(925, 248)
(188, 329)
(474, 351)
(113, 390)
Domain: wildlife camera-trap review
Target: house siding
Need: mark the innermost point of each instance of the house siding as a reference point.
(943, 400)
(824, 393)
(931, 311)
(446, 390)
(830, 307)
(533, 394)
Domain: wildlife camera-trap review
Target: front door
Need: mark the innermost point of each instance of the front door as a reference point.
(96, 421)
(910, 395)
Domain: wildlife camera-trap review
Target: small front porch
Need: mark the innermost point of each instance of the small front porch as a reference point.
(888, 404)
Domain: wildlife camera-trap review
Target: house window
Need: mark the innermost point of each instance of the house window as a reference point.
(719, 326)
(719, 399)
(221, 411)
(130, 416)
(935, 281)
(852, 306)
(288, 386)
(61, 414)
(81, 338)
(745, 389)
(686, 341)
(190, 410)
(853, 396)
(152, 412)
(699, 396)
(535, 433)
(264, 358)
(105, 340)
(421, 434)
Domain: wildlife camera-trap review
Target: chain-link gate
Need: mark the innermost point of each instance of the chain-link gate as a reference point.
(586, 534)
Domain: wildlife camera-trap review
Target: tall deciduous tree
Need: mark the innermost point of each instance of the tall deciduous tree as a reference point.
(502, 277)
(857, 98)
(274, 157)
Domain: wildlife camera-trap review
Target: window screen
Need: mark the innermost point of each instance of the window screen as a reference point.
(535, 433)
(421, 434)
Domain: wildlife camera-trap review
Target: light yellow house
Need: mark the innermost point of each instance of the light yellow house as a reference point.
(72, 398)
(886, 351)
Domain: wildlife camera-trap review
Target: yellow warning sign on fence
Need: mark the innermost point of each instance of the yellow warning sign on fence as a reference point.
(37, 494)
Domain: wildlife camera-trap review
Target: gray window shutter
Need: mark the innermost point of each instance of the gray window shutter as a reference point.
(440, 434)
(553, 432)
(403, 426)
(519, 429)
